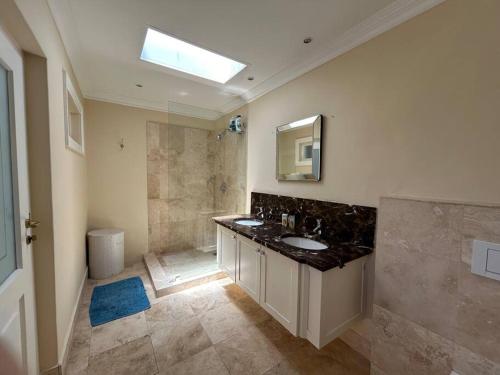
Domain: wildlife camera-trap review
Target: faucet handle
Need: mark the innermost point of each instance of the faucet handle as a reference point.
(318, 226)
(260, 213)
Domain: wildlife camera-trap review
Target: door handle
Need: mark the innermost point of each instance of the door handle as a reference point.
(30, 223)
(30, 239)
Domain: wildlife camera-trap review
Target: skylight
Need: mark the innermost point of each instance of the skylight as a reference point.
(165, 50)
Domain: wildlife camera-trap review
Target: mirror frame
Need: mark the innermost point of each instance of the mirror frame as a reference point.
(70, 92)
(316, 141)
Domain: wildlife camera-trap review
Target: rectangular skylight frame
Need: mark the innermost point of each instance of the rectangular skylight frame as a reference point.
(165, 50)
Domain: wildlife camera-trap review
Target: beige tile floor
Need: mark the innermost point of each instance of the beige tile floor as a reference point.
(214, 329)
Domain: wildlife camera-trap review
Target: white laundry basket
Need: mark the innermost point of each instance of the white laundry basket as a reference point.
(105, 252)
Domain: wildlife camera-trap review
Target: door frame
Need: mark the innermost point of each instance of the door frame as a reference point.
(19, 285)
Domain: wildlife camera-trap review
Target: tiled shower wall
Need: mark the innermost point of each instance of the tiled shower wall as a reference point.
(231, 174)
(431, 314)
(191, 178)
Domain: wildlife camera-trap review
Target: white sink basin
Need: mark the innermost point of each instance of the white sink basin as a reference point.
(304, 243)
(248, 222)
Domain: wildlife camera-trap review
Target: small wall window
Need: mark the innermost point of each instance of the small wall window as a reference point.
(73, 116)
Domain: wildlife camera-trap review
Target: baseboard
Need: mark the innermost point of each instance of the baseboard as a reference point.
(334, 333)
(56, 370)
(359, 343)
(69, 334)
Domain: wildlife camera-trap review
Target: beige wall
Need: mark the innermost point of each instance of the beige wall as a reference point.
(431, 314)
(58, 187)
(117, 180)
(413, 112)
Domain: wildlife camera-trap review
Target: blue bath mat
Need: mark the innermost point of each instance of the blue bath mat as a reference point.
(116, 300)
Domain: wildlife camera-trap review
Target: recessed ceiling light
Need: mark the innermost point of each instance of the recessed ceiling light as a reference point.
(183, 93)
(250, 78)
(307, 40)
(165, 50)
(138, 85)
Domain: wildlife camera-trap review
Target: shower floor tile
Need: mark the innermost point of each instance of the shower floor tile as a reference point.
(174, 272)
(187, 265)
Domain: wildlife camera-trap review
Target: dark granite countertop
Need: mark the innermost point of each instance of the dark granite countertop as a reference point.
(269, 234)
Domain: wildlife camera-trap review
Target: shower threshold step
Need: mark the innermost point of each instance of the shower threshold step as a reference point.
(164, 284)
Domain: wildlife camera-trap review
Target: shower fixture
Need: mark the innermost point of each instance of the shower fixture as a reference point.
(235, 126)
(221, 135)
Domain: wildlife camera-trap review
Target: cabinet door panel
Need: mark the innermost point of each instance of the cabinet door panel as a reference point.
(280, 288)
(248, 269)
(228, 253)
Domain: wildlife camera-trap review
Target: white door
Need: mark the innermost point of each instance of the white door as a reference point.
(279, 295)
(248, 268)
(17, 309)
(228, 253)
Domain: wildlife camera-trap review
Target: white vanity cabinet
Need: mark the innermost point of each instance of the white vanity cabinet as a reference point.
(279, 288)
(312, 304)
(248, 266)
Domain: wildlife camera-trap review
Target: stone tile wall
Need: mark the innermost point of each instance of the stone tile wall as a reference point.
(231, 174)
(431, 314)
(191, 178)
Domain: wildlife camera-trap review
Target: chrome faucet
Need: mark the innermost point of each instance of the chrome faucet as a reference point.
(316, 232)
(317, 229)
(269, 214)
(260, 213)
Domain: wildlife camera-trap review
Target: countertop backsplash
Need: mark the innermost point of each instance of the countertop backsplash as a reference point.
(341, 223)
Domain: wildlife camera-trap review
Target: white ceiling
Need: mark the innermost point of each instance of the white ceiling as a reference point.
(104, 40)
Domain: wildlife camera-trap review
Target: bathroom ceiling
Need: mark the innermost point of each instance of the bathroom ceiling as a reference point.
(104, 41)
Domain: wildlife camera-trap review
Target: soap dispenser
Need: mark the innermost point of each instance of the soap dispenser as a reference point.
(284, 219)
(291, 222)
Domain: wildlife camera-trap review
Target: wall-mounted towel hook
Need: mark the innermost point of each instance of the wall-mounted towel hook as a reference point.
(122, 144)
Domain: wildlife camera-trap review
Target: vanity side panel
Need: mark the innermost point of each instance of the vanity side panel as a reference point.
(219, 232)
(228, 253)
(314, 309)
(343, 296)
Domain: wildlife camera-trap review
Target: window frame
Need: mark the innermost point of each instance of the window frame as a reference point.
(69, 90)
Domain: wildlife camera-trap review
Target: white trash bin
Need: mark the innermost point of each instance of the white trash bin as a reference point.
(105, 252)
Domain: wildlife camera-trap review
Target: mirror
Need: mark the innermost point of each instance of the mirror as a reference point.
(73, 116)
(298, 150)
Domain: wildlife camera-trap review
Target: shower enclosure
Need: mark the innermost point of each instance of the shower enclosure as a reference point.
(193, 175)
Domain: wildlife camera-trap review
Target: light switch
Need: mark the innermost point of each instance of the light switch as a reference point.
(493, 261)
(486, 259)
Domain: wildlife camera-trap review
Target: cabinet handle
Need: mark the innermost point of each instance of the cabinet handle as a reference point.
(234, 236)
(257, 250)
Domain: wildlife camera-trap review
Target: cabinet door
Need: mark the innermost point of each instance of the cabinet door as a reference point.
(248, 267)
(280, 288)
(227, 259)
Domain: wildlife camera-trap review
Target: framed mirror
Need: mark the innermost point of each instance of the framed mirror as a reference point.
(298, 150)
(73, 116)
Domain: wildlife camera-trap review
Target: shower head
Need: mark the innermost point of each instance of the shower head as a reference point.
(235, 125)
